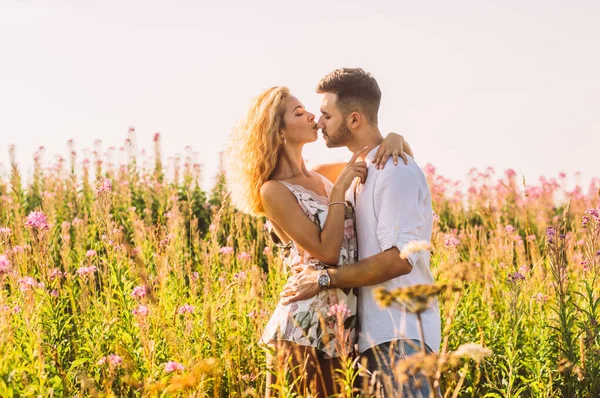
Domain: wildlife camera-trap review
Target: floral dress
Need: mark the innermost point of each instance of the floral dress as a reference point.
(328, 320)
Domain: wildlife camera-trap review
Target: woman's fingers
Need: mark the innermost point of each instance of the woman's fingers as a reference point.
(361, 171)
(363, 175)
(288, 291)
(383, 159)
(402, 154)
(378, 155)
(297, 267)
(357, 154)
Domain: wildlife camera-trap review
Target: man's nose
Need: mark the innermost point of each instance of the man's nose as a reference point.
(320, 123)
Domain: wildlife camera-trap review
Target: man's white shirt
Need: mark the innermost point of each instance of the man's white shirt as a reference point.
(392, 208)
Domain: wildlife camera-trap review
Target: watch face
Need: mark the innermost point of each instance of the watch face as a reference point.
(323, 280)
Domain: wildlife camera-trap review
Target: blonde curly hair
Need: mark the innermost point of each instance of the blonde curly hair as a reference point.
(253, 149)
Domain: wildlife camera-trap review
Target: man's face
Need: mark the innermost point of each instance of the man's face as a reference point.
(332, 123)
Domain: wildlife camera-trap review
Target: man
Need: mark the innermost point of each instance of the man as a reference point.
(393, 207)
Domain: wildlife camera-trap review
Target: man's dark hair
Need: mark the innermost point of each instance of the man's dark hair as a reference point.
(356, 90)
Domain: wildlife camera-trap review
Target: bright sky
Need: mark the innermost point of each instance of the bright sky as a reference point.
(510, 84)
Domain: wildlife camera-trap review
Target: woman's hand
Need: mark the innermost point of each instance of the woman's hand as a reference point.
(393, 145)
(301, 286)
(352, 170)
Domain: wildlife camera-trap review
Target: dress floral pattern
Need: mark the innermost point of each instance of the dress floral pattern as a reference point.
(316, 321)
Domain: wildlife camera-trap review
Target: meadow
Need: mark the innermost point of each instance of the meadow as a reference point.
(120, 276)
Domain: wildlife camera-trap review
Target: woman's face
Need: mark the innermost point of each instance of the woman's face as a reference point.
(300, 126)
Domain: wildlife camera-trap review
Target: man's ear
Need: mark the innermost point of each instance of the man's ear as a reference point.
(355, 120)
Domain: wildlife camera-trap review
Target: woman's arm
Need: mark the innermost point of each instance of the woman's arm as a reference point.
(282, 207)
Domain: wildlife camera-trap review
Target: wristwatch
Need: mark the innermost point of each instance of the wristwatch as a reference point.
(324, 280)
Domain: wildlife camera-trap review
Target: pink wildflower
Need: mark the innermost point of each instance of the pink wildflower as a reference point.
(240, 275)
(186, 309)
(90, 253)
(27, 283)
(37, 220)
(540, 298)
(429, 169)
(5, 264)
(140, 310)
(139, 291)
(451, 241)
(523, 269)
(585, 220)
(112, 359)
(57, 273)
(226, 250)
(339, 309)
(244, 256)
(84, 271)
(586, 265)
(173, 366)
(515, 277)
(104, 186)
(5, 231)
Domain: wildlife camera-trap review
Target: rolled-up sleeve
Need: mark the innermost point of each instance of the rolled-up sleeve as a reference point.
(400, 219)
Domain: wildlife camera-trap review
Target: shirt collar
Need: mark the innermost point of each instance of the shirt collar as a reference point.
(371, 155)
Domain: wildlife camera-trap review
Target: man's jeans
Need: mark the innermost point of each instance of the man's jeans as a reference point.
(383, 357)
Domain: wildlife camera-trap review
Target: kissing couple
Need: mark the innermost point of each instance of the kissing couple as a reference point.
(341, 229)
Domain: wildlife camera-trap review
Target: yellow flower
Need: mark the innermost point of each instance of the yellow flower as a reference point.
(416, 298)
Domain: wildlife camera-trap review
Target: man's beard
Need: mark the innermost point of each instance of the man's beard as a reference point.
(341, 137)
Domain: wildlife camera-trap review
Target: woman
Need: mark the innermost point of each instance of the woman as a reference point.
(267, 176)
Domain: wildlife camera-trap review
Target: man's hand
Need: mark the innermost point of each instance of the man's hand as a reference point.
(301, 286)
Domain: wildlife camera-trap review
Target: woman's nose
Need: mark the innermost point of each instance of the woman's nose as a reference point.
(311, 117)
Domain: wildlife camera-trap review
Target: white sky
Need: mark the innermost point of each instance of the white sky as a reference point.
(509, 84)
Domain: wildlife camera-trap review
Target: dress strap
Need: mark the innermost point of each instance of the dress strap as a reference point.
(293, 188)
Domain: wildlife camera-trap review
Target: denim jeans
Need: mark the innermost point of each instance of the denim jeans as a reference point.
(380, 361)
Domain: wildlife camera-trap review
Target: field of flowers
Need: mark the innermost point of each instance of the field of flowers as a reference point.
(120, 276)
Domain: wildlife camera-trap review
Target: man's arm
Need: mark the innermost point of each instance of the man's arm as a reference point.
(370, 271)
(399, 221)
(367, 272)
